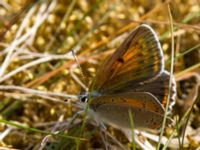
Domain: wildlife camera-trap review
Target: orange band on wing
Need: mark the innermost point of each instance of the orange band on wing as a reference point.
(139, 104)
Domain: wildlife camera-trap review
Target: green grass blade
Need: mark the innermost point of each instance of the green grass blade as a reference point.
(131, 117)
(37, 130)
(170, 81)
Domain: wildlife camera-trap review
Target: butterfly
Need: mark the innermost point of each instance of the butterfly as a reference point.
(133, 80)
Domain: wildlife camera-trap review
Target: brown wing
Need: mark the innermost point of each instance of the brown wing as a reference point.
(113, 109)
(159, 87)
(138, 59)
(141, 100)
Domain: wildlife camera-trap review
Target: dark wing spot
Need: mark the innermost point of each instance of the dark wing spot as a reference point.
(144, 104)
(123, 99)
(139, 55)
(121, 60)
(157, 109)
(136, 43)
(155, 123)
(112, 70)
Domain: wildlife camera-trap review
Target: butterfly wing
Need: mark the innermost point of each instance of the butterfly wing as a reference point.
(159, 87)
(138, 59)
(136, 70)
(113, 109)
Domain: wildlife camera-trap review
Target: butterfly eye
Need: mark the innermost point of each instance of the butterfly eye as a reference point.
(84, 99)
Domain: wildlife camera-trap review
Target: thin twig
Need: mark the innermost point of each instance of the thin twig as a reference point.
(5, 132)
(34, 63)
(37, 92)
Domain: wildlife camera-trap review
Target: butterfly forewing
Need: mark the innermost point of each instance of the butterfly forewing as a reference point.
(138, 59)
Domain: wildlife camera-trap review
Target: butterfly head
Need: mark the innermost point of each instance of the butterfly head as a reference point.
(83, 97)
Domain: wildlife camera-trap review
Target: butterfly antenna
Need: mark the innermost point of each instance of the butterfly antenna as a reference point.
(82, 84)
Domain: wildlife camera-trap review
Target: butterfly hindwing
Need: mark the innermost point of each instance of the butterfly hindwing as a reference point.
(146, 109)
(159, 87)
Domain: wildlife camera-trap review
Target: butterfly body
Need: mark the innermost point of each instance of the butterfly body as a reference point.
(133, 80)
